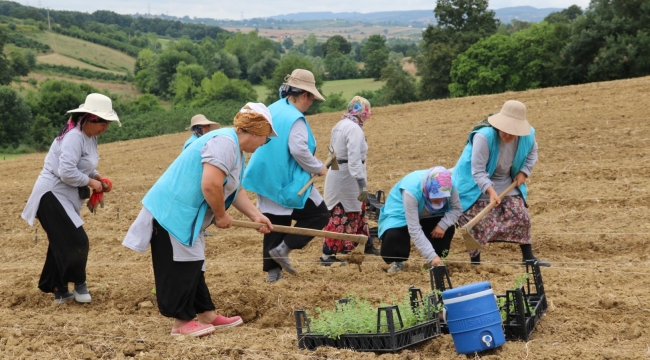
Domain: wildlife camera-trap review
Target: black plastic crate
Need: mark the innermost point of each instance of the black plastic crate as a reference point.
(386, 341)
(374, 204)
(520, 322)
(440, 281)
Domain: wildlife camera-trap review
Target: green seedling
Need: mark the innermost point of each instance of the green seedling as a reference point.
(501, 302)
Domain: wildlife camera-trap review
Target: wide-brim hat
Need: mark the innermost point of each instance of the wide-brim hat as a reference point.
(200, 119)
(511, 119)
(261, 109)
(303, 80)
(99, 105)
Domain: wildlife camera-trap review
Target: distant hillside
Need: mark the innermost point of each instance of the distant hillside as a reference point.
(524, 13)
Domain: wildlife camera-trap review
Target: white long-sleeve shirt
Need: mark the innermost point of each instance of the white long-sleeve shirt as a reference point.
(69, 164)
(298, 138)
(501, 178)
(342, 186)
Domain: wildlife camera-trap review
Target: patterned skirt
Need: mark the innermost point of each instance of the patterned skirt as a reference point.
(507, 222)
(345, 223)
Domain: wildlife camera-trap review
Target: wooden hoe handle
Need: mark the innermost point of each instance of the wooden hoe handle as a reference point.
(487, 209)
(328, 161)
(361, 239)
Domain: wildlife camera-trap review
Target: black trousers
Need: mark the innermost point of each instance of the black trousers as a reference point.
(396, 243)
(67, 252)
(311, 217)
(180, 285)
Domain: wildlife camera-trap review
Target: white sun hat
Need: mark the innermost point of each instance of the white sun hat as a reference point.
(200, 119)
(262, 110)
(511, 119)
(100, 105)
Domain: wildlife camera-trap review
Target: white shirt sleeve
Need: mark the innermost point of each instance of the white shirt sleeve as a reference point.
(480, 157)
(415, 229)
(298, 138)
(354, 142)
(71, 148)
(531, 160)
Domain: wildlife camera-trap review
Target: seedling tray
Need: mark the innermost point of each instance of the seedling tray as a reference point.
(520, 320)
(388, 341)
(440, 281)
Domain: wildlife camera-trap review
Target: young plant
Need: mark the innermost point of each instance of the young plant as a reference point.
(501, 302)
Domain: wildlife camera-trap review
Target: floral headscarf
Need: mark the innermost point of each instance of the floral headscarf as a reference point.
(436, 185)
(358, 110)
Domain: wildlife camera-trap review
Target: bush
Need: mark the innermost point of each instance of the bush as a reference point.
(84, 73)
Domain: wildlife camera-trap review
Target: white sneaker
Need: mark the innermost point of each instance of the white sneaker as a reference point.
(81, 293)
(397, 267)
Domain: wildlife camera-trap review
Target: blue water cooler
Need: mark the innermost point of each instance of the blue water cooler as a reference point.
(473, 318)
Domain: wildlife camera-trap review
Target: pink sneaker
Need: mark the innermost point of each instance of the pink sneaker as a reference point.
(225, 322)
(193, 328)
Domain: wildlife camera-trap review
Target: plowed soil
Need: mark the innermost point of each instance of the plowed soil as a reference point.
(589, 199)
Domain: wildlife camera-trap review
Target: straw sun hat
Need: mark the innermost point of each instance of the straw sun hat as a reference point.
(511, 119)
(200, 119)
(303, 80)
(100, 105)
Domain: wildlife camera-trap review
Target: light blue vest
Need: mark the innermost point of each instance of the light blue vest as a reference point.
(462, 178)
(392, 214)
(189, 141)
(272, 171)
(176, 200)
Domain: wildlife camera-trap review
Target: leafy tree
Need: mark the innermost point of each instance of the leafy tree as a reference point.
(339, 66)
(286, 66)
(344, 46)
(611, 41)
(374, 43)
(226, 63)
(5, 70)
(165, 68)
(15, 118)
(460, 24)
(287, 43)
(19, 64)
(399, 87)
(565, 16)
(263, 68)
(525, 60)
(55, 97)
(311, 45)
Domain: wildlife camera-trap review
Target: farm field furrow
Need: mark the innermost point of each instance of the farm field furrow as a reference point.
(589, 200)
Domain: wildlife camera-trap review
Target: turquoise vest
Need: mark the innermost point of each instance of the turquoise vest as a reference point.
(392, 214)
(176, 200)
(272, 172)
(189, 141)
(462, 178)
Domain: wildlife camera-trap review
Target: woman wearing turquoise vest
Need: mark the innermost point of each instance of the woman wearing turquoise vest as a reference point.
(423, 207)
(195, 191)
(500, 150)
(200, 125)
(278, 171)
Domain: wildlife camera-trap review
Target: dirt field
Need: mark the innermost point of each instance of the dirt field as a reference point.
(589, 199)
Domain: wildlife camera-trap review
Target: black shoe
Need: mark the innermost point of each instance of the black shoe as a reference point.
(539, 262)
(370, 250)
(332, 260)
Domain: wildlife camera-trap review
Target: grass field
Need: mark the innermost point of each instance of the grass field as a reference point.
(95, 57)
(127, 90)
(59, 59)
(9, 156)
(348, 87)
(330, 28)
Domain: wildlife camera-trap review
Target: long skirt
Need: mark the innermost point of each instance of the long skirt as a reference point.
(181, 290)
(355, 223)
(67, 252)
(507, 222)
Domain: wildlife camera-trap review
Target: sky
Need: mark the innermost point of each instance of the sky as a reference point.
(233, 9)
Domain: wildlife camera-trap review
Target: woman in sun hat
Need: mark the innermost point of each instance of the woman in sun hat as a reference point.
(346, 190)
(423, 206)
(502, 149)
(59, 192)
(195, 191)
(278, 171)
(200, 125)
